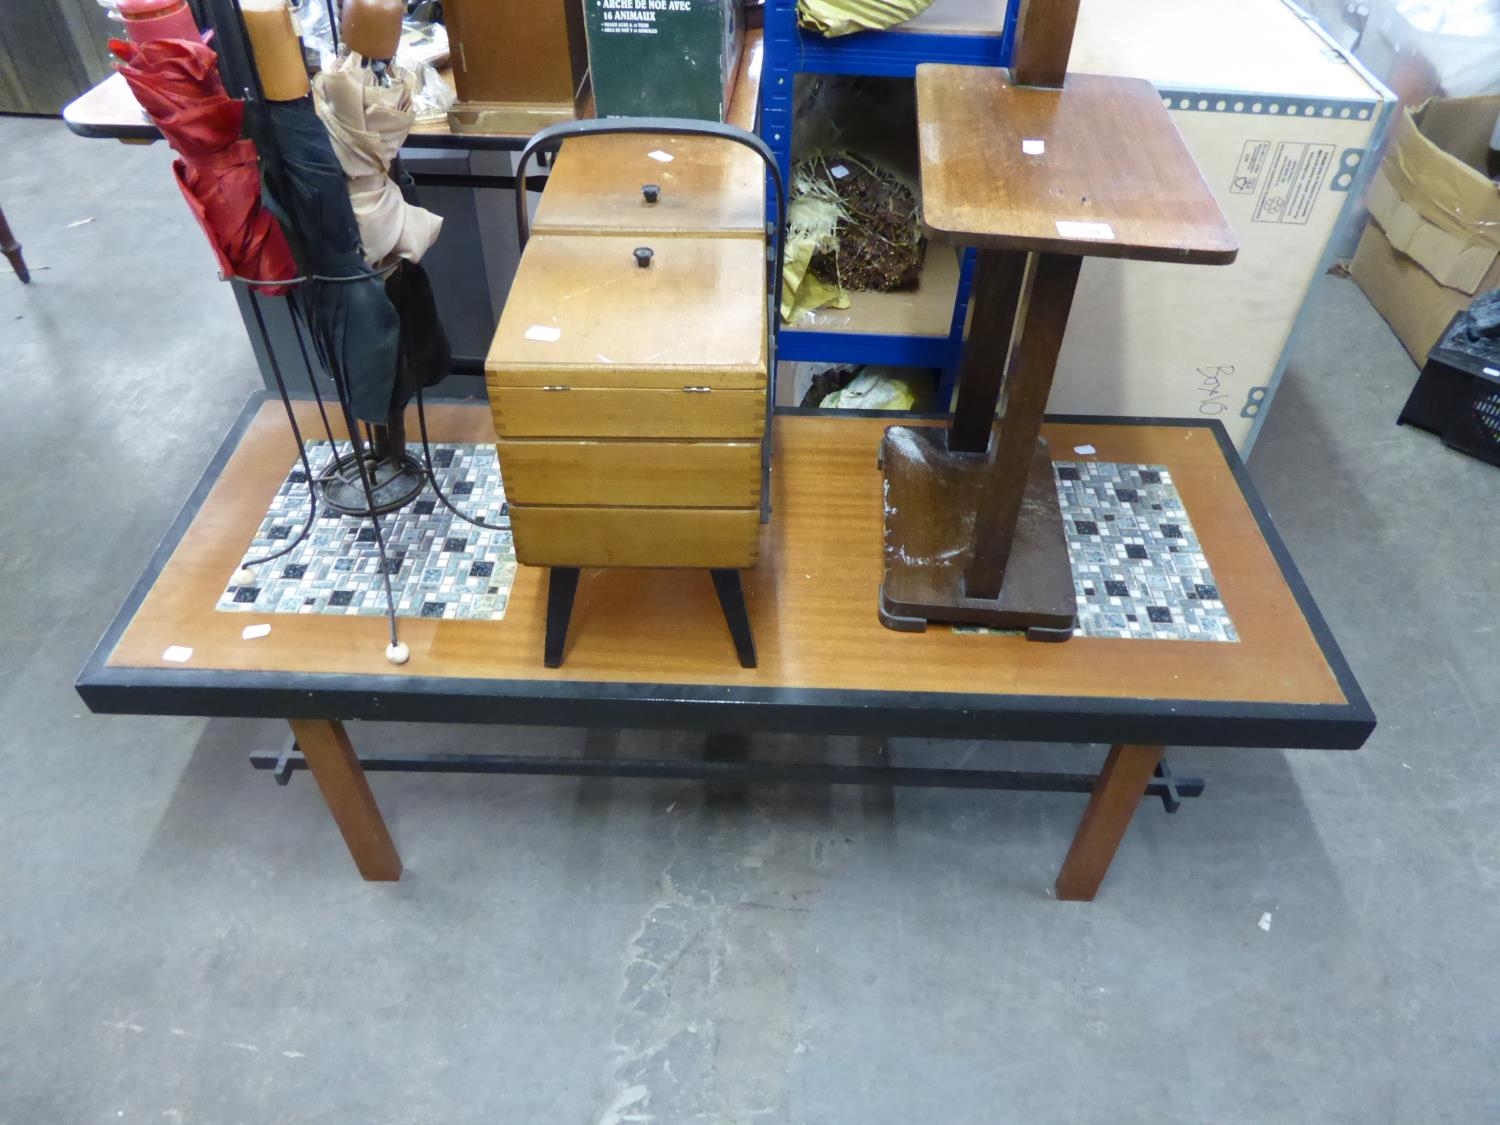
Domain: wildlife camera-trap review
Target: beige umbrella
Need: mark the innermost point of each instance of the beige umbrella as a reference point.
(367, 121)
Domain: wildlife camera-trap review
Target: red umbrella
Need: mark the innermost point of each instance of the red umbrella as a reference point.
(177, 83)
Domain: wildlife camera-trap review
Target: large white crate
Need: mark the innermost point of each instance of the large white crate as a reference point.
(1279, 121)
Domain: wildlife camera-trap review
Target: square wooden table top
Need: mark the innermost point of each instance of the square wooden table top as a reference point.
(1096, 168)
(655, 636)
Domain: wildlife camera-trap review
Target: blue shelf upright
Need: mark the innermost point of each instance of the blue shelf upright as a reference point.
(896, 53)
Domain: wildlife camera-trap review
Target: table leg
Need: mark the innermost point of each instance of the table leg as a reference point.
(341, 779)
(999, 284)
(12, 251)
(1028, 383)
(1044, 39)
(1121, 785)
(562, 586)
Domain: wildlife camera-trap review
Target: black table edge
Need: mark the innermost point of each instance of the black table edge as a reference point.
(409, 698)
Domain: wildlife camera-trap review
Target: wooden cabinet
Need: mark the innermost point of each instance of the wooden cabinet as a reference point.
(630, 400)
(518, 65)
(627, 377)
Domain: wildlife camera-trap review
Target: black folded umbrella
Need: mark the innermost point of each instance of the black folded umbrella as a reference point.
(355, 328)
(380, 338)
(424, 354)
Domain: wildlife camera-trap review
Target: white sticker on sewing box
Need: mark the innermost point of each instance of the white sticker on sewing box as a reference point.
(1033, 148)
(838, 171)
(544, 332)
(253, 632)
(178, 654)
(1096, 231)
(657, 154)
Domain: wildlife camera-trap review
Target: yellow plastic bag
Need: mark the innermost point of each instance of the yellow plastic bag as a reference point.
(802, 292)
(875, 388)
(844, 17)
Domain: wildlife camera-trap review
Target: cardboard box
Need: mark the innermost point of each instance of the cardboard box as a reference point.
(1279, 121)
(664, 58)
(1433, 241)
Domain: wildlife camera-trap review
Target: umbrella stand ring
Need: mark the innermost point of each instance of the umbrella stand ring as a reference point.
(395, 482)
(261, 282)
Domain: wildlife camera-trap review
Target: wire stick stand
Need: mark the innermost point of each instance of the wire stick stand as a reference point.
(368, 476)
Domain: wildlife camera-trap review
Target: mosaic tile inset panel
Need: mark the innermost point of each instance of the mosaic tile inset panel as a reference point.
(1138, 568)
(440, 565)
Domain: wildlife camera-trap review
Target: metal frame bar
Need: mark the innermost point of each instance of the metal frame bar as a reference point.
(1171, 790)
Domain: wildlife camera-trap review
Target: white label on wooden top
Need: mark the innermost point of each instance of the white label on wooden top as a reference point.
(177, 654)
(545, 333)
(1099, 232)
(1033, 147)
(255, 632)
(658, 154)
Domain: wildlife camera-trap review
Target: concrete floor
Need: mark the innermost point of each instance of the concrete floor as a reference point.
(183, 941)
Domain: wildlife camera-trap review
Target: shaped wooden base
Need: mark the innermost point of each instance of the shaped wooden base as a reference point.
(931, 497)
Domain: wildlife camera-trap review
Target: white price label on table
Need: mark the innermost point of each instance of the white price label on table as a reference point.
(1098, 232)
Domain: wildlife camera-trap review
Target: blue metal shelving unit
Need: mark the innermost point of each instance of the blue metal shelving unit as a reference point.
(894, 54)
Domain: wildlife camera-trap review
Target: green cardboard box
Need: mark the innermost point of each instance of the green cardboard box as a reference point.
(664, 58)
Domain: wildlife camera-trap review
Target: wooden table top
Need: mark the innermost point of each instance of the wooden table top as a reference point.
(1096, 168)
(109, 110)
(649, 648)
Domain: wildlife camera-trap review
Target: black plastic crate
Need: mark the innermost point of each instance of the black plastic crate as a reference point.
(1457, 396)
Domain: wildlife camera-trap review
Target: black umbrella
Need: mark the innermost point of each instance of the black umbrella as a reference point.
(424, 355)
(355, 328)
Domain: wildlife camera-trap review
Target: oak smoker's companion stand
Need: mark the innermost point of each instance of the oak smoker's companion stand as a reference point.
(1037, 171)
